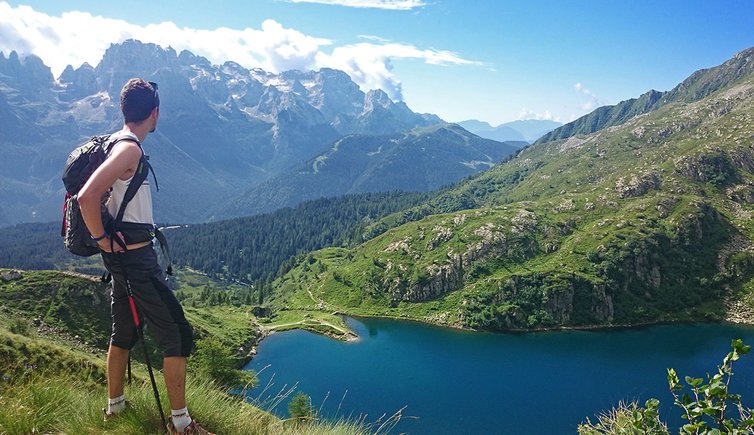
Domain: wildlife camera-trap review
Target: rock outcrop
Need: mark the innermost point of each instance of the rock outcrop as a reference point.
(638, 184)
(713, 165)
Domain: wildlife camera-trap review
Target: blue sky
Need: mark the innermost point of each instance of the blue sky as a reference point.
(496, 61)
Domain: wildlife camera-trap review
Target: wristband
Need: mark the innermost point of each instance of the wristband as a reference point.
(97, 239)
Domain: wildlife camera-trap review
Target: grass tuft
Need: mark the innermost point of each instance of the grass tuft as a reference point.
(55, 403)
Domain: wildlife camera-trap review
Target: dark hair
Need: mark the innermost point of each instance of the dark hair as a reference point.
(137, 99)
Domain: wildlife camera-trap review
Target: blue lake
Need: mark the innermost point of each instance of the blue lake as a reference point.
(459, 382)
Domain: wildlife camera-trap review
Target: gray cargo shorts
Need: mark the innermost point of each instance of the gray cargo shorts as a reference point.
(156, 304)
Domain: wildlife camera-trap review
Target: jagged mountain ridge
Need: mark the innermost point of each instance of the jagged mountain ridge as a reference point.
(697, 86)
(420, 160)
(223, 128)
(646, 221)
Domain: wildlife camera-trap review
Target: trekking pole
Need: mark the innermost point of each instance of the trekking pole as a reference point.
(140, 331)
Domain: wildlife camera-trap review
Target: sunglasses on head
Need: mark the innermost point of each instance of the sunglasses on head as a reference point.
(156, 95)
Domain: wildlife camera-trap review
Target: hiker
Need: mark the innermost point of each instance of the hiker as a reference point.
(129, 256)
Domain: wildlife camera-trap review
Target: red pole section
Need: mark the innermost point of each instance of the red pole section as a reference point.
(133, 310)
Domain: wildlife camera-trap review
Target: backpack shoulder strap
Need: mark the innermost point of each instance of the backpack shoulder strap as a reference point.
(141, 173)
(144, 159)
(115, 138)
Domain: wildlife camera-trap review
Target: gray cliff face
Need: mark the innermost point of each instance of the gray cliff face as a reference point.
(79, 83)
(437, 280)
(29, 75)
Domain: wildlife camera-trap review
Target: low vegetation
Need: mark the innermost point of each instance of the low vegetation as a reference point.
(52, 368)
(47, 403)
(708, 407)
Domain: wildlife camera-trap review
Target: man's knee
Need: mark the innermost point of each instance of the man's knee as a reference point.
(117, 351)
(123, 338)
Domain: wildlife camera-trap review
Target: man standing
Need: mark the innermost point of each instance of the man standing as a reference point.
(155, 303)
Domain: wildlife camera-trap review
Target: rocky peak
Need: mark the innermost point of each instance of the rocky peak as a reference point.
(78, 83)
(188, 58)
(334, 93)
(376, 98)
(135, 55)
(132, 58)
(37, 68)
(11, 65)
(12, 57)
(292, 75)
(431, 118)
(334, 78)
(261, 75)
(298, 88)
(234, 69)
(401, 110)
(27, 73)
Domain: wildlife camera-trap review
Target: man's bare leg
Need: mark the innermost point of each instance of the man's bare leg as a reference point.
(117, 359)
(174, 370)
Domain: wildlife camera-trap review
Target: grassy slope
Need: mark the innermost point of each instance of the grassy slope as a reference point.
(566, 240)
(53, 376)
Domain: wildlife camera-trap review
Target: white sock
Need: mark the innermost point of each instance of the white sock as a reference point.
(181, 419)
(116, 405)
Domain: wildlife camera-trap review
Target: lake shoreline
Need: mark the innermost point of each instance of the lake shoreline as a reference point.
(468, 383)
(727, 320)
(737, 314)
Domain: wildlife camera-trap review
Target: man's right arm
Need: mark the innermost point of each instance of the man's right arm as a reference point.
(122, 161)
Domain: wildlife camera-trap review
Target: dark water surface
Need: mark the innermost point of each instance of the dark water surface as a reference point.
(458, 382)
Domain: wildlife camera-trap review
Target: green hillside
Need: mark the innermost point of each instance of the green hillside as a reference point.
(54, 330)
(418, 160)
(697, 86)
(642, 222)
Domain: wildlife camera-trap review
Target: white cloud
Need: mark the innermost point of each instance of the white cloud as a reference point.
(400, 5)
(373, 38)
(592, 101)
(77, 37)
(370, 65)
(526, 114)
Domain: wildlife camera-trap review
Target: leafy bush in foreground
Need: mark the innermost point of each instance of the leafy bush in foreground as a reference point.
(707, 408)
(215, 361)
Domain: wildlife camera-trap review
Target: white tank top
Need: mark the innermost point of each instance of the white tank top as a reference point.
(139, 210)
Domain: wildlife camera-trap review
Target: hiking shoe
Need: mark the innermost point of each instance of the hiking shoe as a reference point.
(192, 429)
(107, 416)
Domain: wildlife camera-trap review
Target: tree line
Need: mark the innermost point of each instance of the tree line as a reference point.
(247, 249)
(252, 248)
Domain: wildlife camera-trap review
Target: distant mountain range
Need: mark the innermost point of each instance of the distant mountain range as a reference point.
(525, 130)
(420, 160)
(223, 128)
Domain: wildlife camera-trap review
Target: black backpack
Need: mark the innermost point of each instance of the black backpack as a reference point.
(81, 164)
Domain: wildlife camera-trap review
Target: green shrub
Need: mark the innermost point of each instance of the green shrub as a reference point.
(20, 326)
(214, 361)
(300, 408)
(627, 419)
(709, 409)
